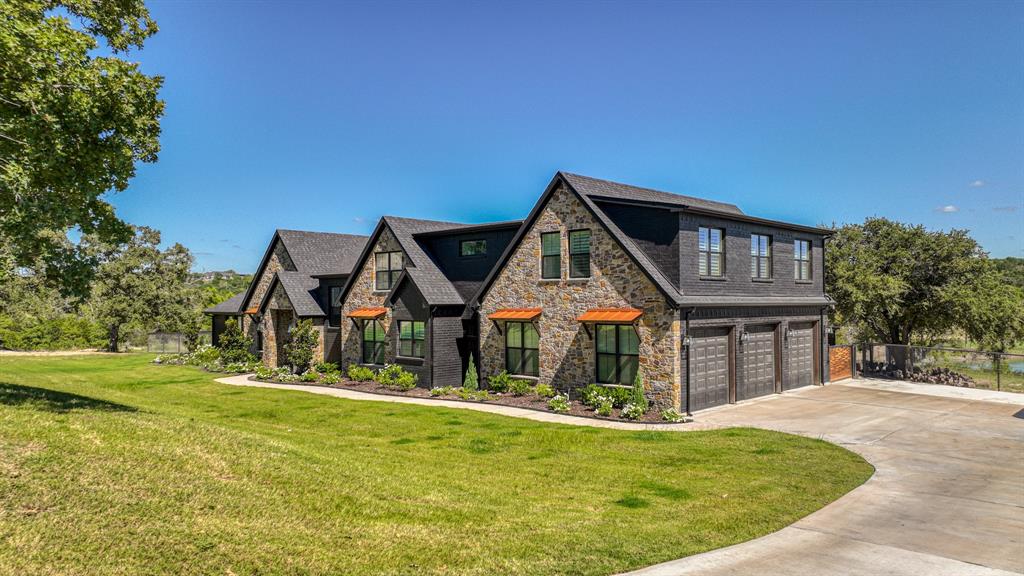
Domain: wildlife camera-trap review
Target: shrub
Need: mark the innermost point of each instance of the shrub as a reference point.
(234, 346)
(604, 406)
(287, 377)
(638, 398)
(442, 391)
(470, 381)
(234, 367)
(65, 332)
(499, 382)
(301, 343)
(519, 387)
(406, 381)
(204, 355)
(619, 396)
(590, 395)
(386, 376)
(559, 403)
(326, 367)
(310, 376)
(632, 412)
(672, 415)
(264, 372)
(544, 391)
(478, 395)
(359, 373)
(330, 377)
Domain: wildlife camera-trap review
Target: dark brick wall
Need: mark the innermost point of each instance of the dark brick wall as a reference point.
(469, 270)
(654, 230)
(447, 333)
(737, 280)
(324, 292)
(410, 305)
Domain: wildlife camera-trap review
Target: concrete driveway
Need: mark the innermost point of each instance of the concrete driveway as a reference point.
(947, 496)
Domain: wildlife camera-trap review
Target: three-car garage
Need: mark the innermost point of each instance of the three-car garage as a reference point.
(726, 364)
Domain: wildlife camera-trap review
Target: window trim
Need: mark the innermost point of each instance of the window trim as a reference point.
(756, 269)
(522, 348)
(557, 255)
(413, 340)
(382, 342)
(590, 236)
(704, 256)
(472, 240)
(797, 260)
(617, 355)
(389, 271)
(334, 312)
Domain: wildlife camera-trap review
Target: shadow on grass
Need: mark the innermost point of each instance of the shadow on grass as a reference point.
(54, 401)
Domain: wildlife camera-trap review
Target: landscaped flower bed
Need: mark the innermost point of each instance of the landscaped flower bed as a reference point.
(592, 401)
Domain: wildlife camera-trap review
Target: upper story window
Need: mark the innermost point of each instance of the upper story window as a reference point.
(334, 305)
(550, 255)
(760, 256)
(801, 260)
(579, 254)
(410, 338)
(388, 266)
(473, 248)
(712, 251)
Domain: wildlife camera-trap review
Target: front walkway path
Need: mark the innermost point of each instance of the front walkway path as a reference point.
(947, 497)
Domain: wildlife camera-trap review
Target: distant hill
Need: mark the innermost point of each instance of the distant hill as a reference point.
(219, 285)
(1012, 269)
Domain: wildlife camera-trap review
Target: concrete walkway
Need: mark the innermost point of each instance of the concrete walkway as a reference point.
(947, 497)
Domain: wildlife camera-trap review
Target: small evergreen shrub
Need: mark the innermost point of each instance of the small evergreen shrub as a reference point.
(470, 381)
(590, 394)
(559, 403)
(301, 342)
(519, 387)
(637, 398)
(234, 346)
(406, 381)
(500, 382)
(310, 376)
(326, 367)
(544, 391)
(358, 373)
(604, 406)
(386, 376)
(619, 396)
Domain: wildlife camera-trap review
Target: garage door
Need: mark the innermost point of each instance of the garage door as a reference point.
(709, 368)
(801, 355)
(757, 373)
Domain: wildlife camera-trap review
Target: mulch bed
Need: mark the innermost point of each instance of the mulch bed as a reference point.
(529, 402)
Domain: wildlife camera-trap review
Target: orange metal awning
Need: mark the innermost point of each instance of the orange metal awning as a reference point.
(514, 314)
(611, 315)
(368, 313)
(251, 311)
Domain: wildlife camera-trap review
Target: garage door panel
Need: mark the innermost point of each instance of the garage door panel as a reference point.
(800, 371)
(757, 375)
(709, 368)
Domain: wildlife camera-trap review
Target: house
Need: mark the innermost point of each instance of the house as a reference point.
(605, 279)
(405, 302)
(300, 276)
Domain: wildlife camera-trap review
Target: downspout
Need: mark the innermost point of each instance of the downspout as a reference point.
(686, 370)
(430, 319)
(822, 344)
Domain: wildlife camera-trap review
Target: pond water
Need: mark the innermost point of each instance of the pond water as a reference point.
(1017, 366)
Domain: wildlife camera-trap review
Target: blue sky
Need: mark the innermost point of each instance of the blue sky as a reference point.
(324, 116)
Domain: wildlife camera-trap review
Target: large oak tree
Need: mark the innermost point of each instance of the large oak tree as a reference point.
(75, 117)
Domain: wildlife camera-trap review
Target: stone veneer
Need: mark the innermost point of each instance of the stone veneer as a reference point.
(363, 295)
(279, 260)
(567, 352)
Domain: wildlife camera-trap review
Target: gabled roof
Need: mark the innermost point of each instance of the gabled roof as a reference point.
(301, 290)
(229, 307)
(597, 188)
(313, 253)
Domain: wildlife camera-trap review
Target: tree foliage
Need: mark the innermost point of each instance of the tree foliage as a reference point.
(903, 284)
(995, 317)
(137, 283)
(234, 345)
(73, 124)
(301, 342)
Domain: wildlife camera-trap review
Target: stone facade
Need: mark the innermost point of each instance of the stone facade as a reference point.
(567, 349)
(363, 294)
(279, 260)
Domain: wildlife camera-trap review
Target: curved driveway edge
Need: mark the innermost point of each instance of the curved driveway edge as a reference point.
(947, 496)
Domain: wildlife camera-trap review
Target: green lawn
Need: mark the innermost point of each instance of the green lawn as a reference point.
(110, 465)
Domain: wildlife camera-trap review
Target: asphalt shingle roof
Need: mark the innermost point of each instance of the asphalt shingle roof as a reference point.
(607, 189)
(322, 252)
(232, 305)
(301, 290)
(420, 267)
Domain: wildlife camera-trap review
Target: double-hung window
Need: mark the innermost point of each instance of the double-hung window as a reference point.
(410, 338)
(711, 245)
(522, 345)
(579, 254)
(550, 255)
(388, 266)
(334, 305)
(802, 260)
(760, 256)
(618, 353)
(373, 342)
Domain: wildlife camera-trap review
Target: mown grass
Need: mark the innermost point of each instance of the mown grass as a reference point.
(109, 465)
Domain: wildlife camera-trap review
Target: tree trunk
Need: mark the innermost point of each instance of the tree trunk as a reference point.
(112, 337)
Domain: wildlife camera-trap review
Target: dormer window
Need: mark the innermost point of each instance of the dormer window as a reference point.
(388, 266)
(473, 248)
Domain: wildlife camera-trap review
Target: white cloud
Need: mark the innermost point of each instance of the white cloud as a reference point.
(977, 184)
(359, 219)
(949, 209)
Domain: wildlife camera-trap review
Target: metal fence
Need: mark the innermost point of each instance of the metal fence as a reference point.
(937, 365)
(173, 342)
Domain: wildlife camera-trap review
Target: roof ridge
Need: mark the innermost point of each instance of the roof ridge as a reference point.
(725, 205)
